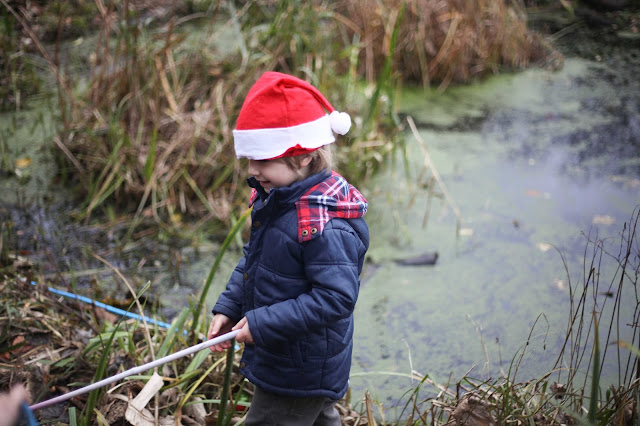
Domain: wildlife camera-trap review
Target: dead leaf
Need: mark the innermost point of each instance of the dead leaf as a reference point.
(23, 163)
(104, 315)
(197, 411)
(115, 410)
(472, 411)
(18, 347)
(559, 390)
(188, 421)
(136, 413)
(559, 284)
(627, 182)
(627, 415)
(170, 396)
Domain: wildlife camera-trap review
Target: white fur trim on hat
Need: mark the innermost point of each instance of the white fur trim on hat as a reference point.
(340, 122)
(263, 144)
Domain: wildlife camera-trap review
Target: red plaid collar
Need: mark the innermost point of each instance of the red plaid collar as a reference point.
(332, 198)
(253, 197)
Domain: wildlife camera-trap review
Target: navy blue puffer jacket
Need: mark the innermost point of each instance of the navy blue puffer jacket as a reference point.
(298, 296)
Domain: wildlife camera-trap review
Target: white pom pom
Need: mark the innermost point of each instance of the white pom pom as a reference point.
(340, 122)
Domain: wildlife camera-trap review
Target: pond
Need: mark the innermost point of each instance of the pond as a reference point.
(535, 163)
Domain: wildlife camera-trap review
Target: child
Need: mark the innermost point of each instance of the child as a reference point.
(293, 293)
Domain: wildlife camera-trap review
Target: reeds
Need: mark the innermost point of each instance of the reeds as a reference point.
(151, 136)
(604, 316)
(596, 379)
(445, 42)
(52, 344)
(55, 346)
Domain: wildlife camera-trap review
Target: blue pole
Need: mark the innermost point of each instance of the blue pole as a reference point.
(104, 306)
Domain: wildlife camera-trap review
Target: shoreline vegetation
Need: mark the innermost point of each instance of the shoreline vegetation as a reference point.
(55, 345)
(144, 134)
(149, 132)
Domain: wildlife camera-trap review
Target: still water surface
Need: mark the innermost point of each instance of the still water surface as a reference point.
(534, 162)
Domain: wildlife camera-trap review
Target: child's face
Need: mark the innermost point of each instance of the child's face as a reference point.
(276, 173)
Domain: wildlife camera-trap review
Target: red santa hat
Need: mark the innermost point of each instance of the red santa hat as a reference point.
(284, 116)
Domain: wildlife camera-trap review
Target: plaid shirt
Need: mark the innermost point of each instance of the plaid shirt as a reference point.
(332, 198)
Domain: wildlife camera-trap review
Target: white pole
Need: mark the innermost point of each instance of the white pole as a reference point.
(137, 370)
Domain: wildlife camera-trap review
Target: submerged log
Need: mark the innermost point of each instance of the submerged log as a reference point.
(423, 259)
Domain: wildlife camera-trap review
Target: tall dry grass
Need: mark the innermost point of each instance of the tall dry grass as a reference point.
(443, 42)
(151, 136)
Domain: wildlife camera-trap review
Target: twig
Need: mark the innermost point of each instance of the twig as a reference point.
(136, 299)
(428, 163)
(563, 32)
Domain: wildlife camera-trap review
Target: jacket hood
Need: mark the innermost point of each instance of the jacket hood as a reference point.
(332, 198)
(328, 196)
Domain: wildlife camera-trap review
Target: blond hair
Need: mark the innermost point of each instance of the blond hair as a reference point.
(321, 158)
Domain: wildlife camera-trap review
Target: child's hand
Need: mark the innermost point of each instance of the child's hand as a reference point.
(220, 324)
(10, 405)
(245, 334)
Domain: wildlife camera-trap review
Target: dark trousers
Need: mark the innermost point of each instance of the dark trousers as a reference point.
(270, 409)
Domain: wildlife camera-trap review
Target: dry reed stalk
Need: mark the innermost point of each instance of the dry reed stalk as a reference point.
(184, 98)
(428, 165)
(371, 420)
(446, 41)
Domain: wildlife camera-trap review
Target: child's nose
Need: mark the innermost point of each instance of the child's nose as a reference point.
(253, 169)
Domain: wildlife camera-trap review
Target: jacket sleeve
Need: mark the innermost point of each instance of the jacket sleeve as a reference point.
(332, 267)
(230, 301)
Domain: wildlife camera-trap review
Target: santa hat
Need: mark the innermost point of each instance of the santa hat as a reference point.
(284, 116)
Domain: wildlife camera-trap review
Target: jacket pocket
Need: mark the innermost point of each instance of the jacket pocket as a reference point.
(299, 352)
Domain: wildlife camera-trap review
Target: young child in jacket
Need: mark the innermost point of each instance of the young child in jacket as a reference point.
(293, 293)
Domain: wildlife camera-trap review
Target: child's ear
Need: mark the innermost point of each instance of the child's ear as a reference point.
(305, 161)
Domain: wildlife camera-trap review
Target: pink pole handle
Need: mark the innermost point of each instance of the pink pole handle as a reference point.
(137, 370)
